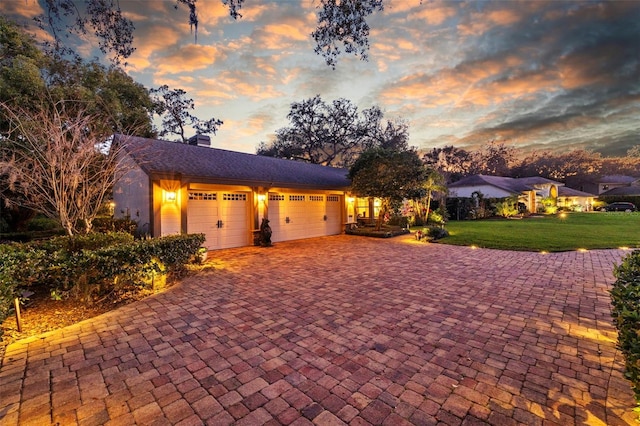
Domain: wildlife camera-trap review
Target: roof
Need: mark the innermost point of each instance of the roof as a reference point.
(564, 191)
(508, 184)
(538, 180)
(212, 165)
(623, 190)
(617, 179)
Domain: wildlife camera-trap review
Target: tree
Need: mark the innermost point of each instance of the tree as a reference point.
(574, 164)
(32, 83)
(56, 160)
(388, 175)
(333, 134)
(344, 23)
(342, 26)
(434, 183)
(451, 162)
(173, 106)
(494, 159)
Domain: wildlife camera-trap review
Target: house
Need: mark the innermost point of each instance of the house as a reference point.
(603, 185)
(171, 188)
(529, 190)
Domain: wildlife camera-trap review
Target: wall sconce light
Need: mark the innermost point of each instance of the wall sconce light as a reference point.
(170, 196)
(262, 197)
(351, 200)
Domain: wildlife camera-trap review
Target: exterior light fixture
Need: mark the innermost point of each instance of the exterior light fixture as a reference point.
(170, 196)
(351, 200)
(262, 197)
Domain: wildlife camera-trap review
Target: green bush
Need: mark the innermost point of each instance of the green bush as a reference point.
(109, 224)
(91, 266)
(508, 207)
(625, 298)
(435, 232)
(19, 268)
(41, 223)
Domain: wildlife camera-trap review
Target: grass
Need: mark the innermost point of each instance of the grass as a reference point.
(571, 231)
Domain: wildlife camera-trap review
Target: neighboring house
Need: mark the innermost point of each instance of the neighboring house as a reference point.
(602, 185)
(171, 188)
(530, 190)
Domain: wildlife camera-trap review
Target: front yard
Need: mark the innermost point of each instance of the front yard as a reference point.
(571, 231)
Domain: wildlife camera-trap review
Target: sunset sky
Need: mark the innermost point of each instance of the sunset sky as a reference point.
(539, 75)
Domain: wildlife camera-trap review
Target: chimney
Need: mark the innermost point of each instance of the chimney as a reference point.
(200, 140)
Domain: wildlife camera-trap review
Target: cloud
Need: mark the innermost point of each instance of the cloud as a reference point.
(188, 58)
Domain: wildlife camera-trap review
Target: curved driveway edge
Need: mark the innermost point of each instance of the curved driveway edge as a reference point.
(341, 330)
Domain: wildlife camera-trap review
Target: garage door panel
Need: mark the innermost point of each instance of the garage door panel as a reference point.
(309, 215)
(222, 217)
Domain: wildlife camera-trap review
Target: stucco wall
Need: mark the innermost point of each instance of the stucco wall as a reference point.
(131, 195)
(487, 191)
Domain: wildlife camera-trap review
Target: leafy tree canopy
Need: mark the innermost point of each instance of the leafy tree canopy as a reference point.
(387, 174)
(334, 134)
(173, 107)
(342, 25)
(106, 93)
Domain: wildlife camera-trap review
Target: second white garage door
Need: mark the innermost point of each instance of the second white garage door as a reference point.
(297, 216)
(220, 216)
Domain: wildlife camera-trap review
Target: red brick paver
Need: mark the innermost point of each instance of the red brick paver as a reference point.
(341, 330)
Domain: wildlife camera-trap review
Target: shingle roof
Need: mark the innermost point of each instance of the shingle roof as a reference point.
(623, 190)
(564, 191)
(617, 179)
(505, 183)
(221, 166)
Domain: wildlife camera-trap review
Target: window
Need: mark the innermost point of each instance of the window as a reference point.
(296, 197)
(234, 197)
(333, 198)
(316, 198)
(207, 196)
(276, 197)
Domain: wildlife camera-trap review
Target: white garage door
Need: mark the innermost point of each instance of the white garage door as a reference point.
(220, 216)
(297, 216)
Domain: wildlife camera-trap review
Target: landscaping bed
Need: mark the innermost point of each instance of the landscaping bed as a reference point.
(385, 231)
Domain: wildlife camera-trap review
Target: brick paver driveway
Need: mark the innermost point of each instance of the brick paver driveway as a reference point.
(341, 330)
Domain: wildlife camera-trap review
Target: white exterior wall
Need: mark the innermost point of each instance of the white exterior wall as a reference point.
(131, 195)
(487, 191)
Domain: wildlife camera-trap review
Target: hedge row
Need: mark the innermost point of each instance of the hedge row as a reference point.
(625, 298)
(91, 266)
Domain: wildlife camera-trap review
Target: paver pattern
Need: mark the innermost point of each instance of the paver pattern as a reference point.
(341, 330)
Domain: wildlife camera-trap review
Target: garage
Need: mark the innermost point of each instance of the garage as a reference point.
(177, 188)
(303, 215)
(220, 216)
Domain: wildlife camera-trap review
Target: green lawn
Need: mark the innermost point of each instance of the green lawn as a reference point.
(572, 231)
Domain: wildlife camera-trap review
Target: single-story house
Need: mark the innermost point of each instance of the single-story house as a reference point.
(171, 188)
(529, 190)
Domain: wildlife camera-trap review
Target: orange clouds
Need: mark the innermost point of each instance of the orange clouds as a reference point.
(188, 58)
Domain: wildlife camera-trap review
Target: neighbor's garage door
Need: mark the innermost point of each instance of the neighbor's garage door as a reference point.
(297, 216)
(220, 216)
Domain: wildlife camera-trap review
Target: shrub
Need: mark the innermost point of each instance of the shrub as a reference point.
(19, 267)
(43, 224)
(435, 232)
(89, 266)
(109, 224)
(508, 207)
(625, 298)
